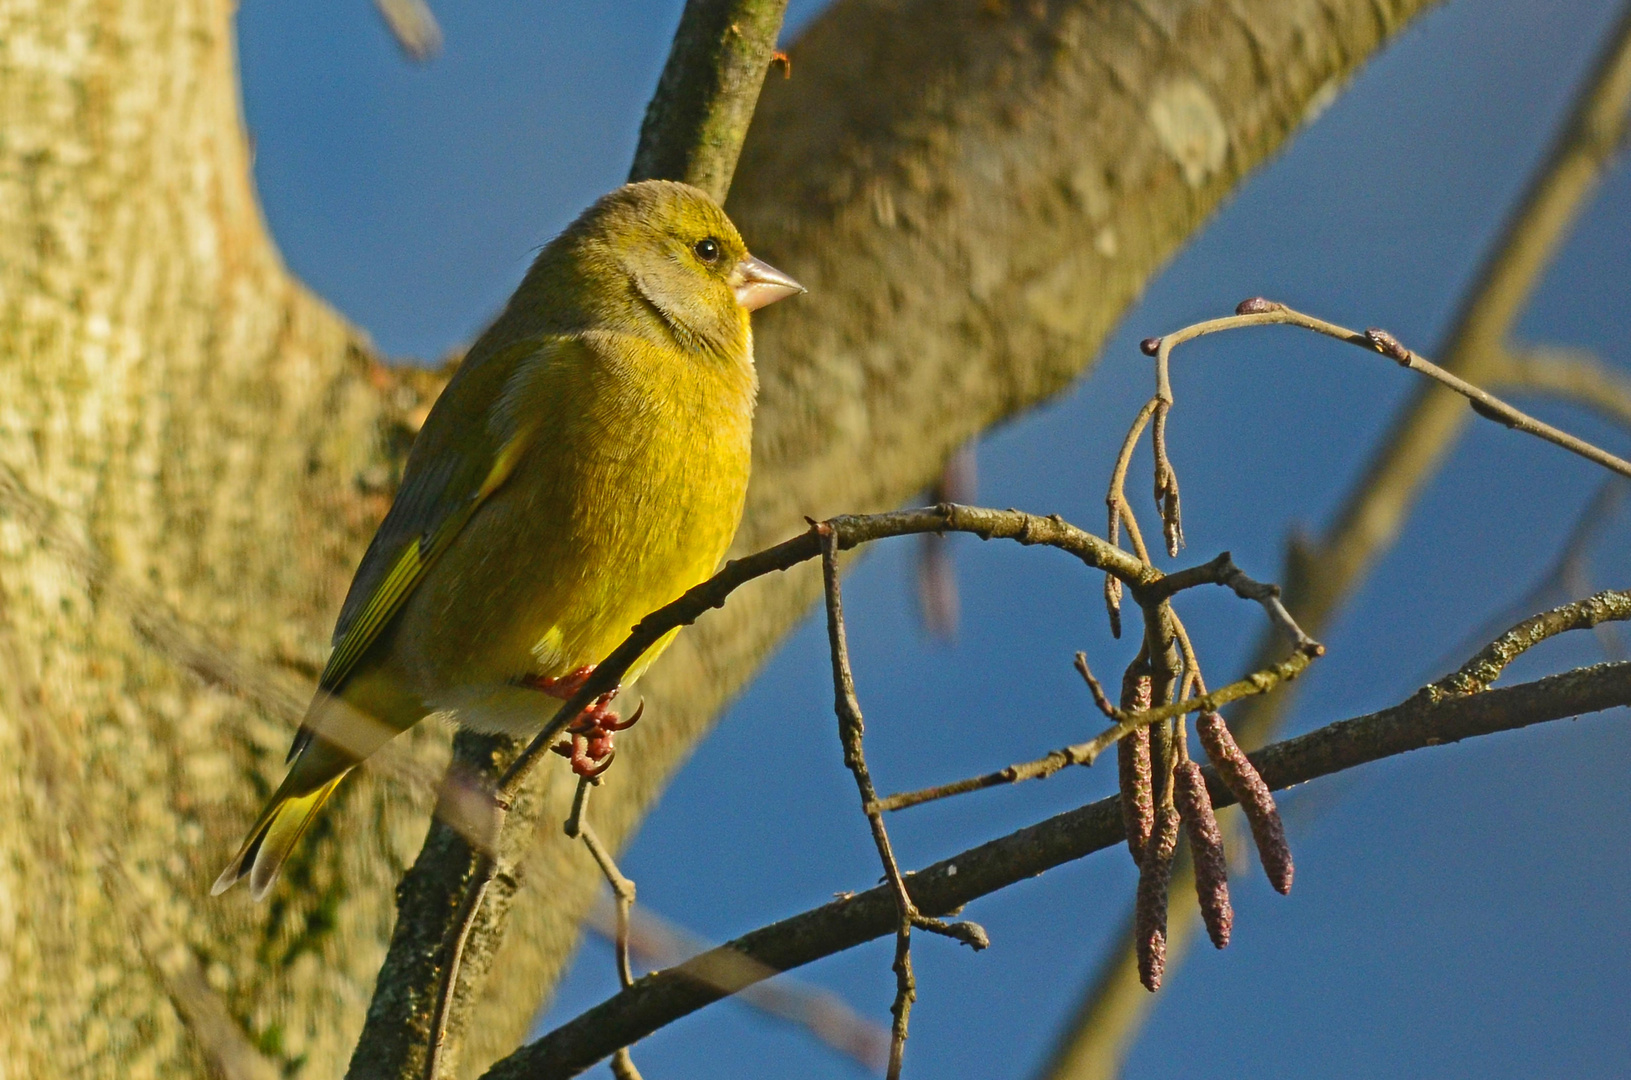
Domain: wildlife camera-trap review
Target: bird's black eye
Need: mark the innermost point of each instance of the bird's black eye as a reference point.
(707, 250)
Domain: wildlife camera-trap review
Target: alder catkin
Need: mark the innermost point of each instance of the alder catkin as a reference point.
(1206, 849)
(1150, 916)
(1133, 767)
(1241, 777)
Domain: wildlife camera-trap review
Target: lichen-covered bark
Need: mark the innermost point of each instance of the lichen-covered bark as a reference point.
(973, 192)
(205, 427)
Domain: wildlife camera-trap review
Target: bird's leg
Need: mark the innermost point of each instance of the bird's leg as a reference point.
(563, 686)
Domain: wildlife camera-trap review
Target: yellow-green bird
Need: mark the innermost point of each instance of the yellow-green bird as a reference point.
(586, 465)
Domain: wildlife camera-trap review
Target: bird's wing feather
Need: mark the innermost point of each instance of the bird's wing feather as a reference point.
(467, 448)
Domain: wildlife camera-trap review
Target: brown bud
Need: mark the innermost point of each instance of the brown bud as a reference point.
(1388, 345)
(1241, 777)
(1257, 305)
(1150, 915)
(1150, 346)
(1206, 848)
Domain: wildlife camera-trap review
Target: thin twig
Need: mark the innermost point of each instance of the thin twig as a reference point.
(1260, 312)
(1119, 510)
(1568, 576)
(1258, 682)
(662, 997)
(578, 828)
(851, 732)
(1221, 571)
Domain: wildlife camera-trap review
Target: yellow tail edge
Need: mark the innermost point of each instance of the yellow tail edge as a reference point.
(274, 836)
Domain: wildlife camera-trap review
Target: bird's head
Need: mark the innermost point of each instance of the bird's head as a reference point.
(683, 262)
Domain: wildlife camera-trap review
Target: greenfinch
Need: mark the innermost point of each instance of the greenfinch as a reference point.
(586, 464)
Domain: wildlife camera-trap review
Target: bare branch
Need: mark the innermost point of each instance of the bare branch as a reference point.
(698, 117)
(1258, 682)
(659, 943)
(1259, 312)
(664, 996)
(1477, 674)
(851, 732)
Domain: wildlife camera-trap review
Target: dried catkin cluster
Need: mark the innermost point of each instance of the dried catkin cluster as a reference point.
(1156, 800)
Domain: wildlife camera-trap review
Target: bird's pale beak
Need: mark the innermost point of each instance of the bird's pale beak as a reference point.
(759, 284)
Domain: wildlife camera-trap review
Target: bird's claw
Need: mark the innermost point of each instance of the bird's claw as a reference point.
(589, 747)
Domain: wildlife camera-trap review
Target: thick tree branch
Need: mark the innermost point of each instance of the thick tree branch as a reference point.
(665, 996)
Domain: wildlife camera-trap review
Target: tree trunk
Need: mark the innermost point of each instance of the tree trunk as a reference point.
(189, 438)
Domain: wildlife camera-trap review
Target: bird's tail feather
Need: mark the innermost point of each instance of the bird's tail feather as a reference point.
(281, 825)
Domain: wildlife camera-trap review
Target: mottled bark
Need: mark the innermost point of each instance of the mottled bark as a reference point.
(973, 193)
(181, 424)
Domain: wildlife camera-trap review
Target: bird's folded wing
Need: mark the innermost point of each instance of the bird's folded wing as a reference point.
(465, 451)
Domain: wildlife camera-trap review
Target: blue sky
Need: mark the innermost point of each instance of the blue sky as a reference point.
(1457, 912)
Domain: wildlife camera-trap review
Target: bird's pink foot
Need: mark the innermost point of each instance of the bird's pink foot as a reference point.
(589, 743)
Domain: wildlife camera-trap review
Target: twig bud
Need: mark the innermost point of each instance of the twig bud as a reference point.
(1166, 482)
(1257, 305)
(1206, 848)
(1388, 345)
(1150, 346)
(1150, 917)
(1241, 777)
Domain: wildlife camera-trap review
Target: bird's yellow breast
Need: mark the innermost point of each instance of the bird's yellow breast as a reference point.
(628, 494)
